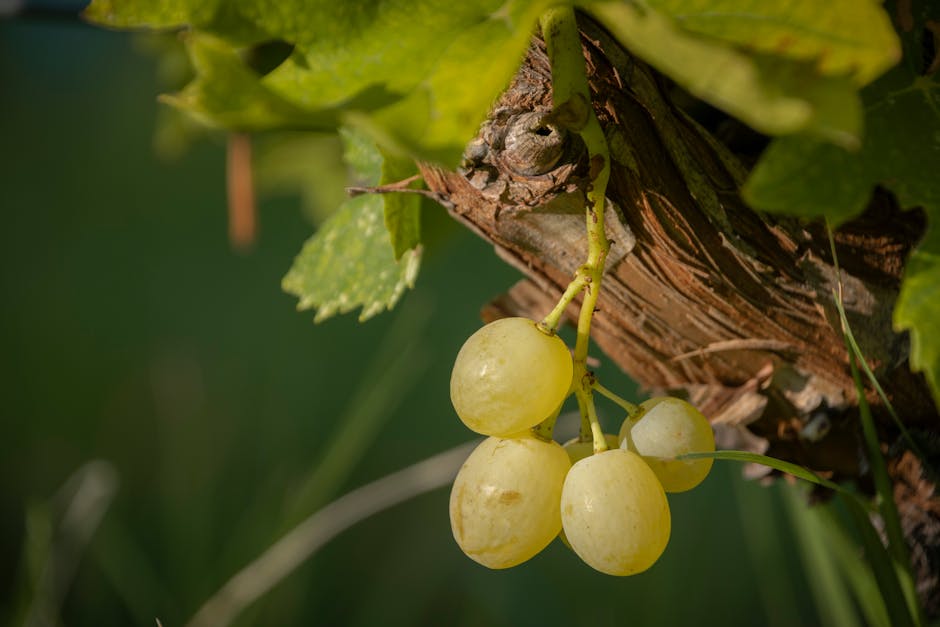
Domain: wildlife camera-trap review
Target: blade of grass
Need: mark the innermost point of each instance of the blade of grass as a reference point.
(881, 560)
(762, 528)
(778, 464)
(857, 574)
(857, 351)
(897, 547)
(826, 583)
(883, 568)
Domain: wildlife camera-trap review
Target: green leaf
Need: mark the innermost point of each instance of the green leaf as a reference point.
(225, 19)
(402, 210)
(420, 76)
(774, 95)
(808, 178)
(918, 306)
(795, 177)
(226, 93)
(362, 157)
(150, 13)
(349, 263)
(372, 165)
(839, 37)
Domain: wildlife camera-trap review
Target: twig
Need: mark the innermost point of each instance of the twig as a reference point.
(242, 211)
(753, 344)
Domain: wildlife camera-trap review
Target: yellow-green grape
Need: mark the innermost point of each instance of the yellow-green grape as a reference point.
(578, 450)
(504, 506)
(509, 376)
(664, 428)
(615, 512)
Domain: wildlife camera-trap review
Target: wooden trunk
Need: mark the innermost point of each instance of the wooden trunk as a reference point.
(702, 295)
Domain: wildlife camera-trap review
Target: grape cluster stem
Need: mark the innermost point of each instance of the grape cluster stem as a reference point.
(571, 100)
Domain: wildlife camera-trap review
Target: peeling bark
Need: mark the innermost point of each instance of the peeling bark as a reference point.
(702, 294)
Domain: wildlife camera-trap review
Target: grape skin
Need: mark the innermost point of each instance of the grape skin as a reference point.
(505, 501)
(578, 450)
(615, 513)
(664, 428)
(509, 376)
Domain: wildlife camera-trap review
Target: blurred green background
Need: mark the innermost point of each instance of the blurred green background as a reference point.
(131, 333)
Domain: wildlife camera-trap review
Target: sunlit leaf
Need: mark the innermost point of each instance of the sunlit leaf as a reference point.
(150, 13)
(350, 262)
(402, 210)
(423, 74)
(839, 37)
(773, 94)
(226, 92)
(918, 306)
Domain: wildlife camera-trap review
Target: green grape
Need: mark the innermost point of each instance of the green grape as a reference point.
(509, 376)
(578, 450)
(615, 512)
(504, 505)
(664, 428)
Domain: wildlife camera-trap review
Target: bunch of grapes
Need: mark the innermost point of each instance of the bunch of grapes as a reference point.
(519, 490)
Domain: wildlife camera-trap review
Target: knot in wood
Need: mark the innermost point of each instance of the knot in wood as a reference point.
(533, 146)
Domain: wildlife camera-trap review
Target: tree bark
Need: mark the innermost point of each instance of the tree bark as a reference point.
(702, 295)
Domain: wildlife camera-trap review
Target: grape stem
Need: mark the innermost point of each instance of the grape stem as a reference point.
(571, 100)
(629, 407)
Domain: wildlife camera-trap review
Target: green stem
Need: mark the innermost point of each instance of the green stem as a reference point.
(553, 319)
(629, 407)
(586, 432)
(586, 403)
(571, 98)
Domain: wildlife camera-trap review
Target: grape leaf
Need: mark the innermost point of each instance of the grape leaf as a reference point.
(350, 262)
(151, 13)
(918, 306)
(227, 93)
(795, 177)
(402, 210)
(804, 177)
(225, 19)
(840, 37)
(772, 94)
(418, 76)
(425, 72)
